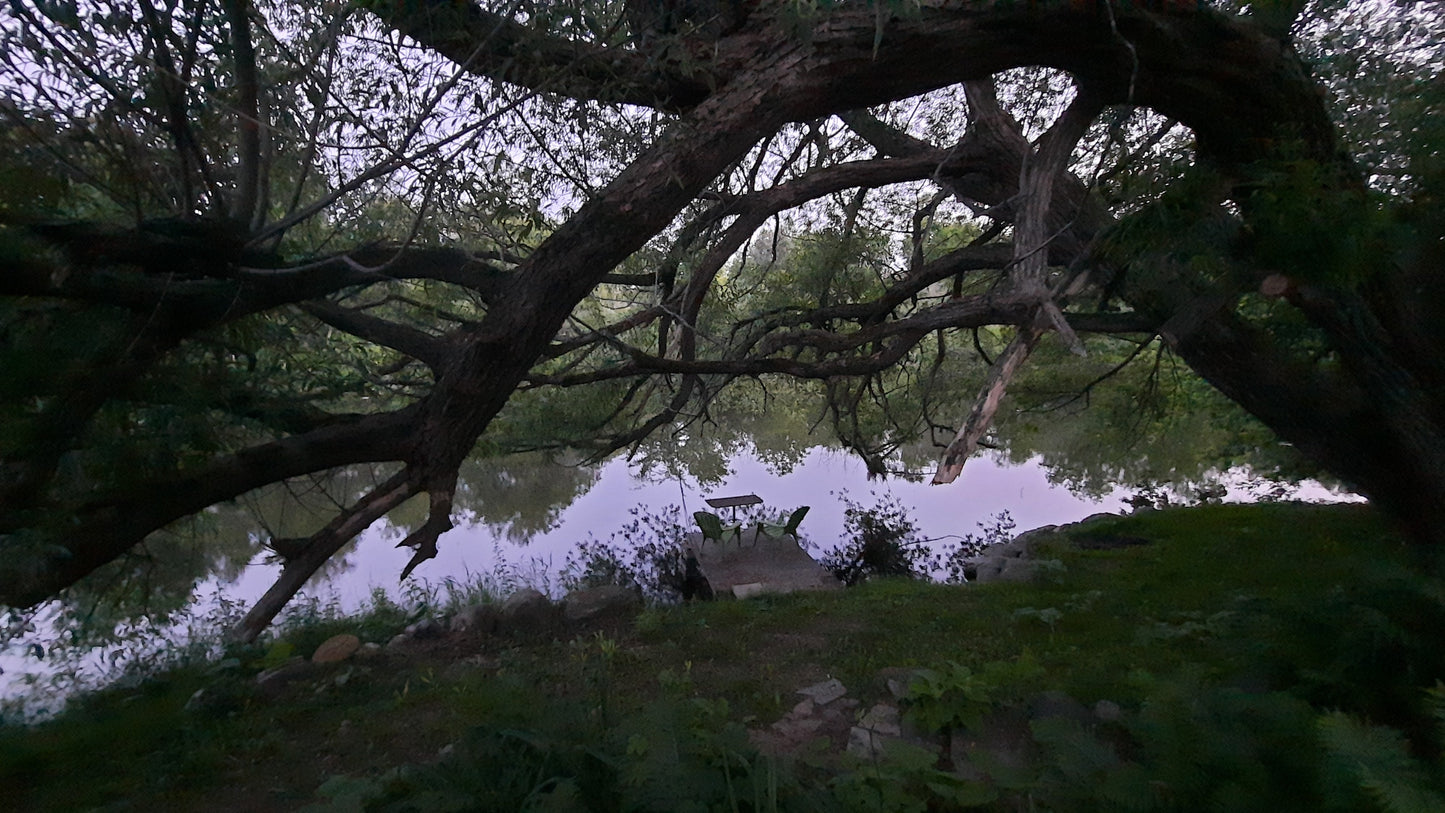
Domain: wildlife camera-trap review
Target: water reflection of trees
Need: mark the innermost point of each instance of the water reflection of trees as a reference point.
(520, 495)
(1090, 439)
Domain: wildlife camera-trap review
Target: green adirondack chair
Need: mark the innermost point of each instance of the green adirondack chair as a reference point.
(789, 528)
(713, 528)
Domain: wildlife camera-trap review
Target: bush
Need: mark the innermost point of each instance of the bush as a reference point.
(646, 554)
(882, 541)
(956, 561)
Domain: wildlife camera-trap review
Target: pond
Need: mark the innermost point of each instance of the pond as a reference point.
(551, 508)
(986, 488)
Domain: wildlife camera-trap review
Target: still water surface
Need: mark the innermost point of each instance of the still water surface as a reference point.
(985, 489)
(941, 513)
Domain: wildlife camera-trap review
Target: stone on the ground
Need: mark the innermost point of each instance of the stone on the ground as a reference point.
(197, 701)
(825, 692)
(424, 629)
(896, 680)
(1003, 741)
(274, 680)
(744, 591)
(480, 618)
(337, 648)
(370, 649)
(1108, 711)
(1017, 570)
(607, 601)
(526, 611)
(806, 722)
(878, 725)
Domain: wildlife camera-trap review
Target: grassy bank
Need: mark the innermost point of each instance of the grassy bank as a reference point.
(1275, 657)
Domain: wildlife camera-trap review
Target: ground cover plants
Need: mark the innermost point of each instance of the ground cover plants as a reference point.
(1267, 657)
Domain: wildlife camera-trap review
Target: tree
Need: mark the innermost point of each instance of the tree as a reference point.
(284, 239)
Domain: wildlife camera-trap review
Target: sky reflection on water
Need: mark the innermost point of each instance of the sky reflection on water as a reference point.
(985, 489)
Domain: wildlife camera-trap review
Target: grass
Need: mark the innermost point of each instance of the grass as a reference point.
(1275, 613)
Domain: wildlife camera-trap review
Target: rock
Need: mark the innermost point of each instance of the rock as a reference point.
(424, 629)
(1099, 540)
(1017, 570)
(1025, 542)
(752, 590)
(987, 569)
(1024, 570)
(525, 597)
(882, 718)
(526, 612)
(878, 726)
(272, 681)
(825, 692)
(197, 701)
(368, 650)
(896, 679)
(481, 618)
(607, 601)
(336, 649)
(798, 730)
(1056, 704)
(397, 641)
(865, 744)
(1002, 742)
(1108, 711)
(219, 699)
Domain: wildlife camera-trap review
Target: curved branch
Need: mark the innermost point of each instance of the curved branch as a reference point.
(307, 556)
(498, 47)
(96, 529)
(423, 347)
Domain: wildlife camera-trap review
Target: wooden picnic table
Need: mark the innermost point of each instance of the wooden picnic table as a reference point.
(735, 502)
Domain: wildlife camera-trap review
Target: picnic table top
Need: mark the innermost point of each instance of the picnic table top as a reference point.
(735, 502)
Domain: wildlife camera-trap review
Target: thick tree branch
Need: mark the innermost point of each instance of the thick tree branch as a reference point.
(430, 350)
(498, 47)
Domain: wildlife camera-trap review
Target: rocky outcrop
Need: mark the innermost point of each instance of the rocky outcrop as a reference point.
(1018, 560)
(1011, 561)
(598, 603)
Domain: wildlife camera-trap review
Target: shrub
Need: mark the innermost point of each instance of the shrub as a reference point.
(882, 541)
(646, 554)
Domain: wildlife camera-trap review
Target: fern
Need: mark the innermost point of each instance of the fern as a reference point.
(1380, 761)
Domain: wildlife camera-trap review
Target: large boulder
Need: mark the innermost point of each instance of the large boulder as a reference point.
(527, 612)
(604, 602)
(477, 618)
(336, 649)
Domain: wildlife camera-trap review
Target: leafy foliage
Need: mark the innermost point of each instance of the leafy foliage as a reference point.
(646, 555)
(882, 541)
